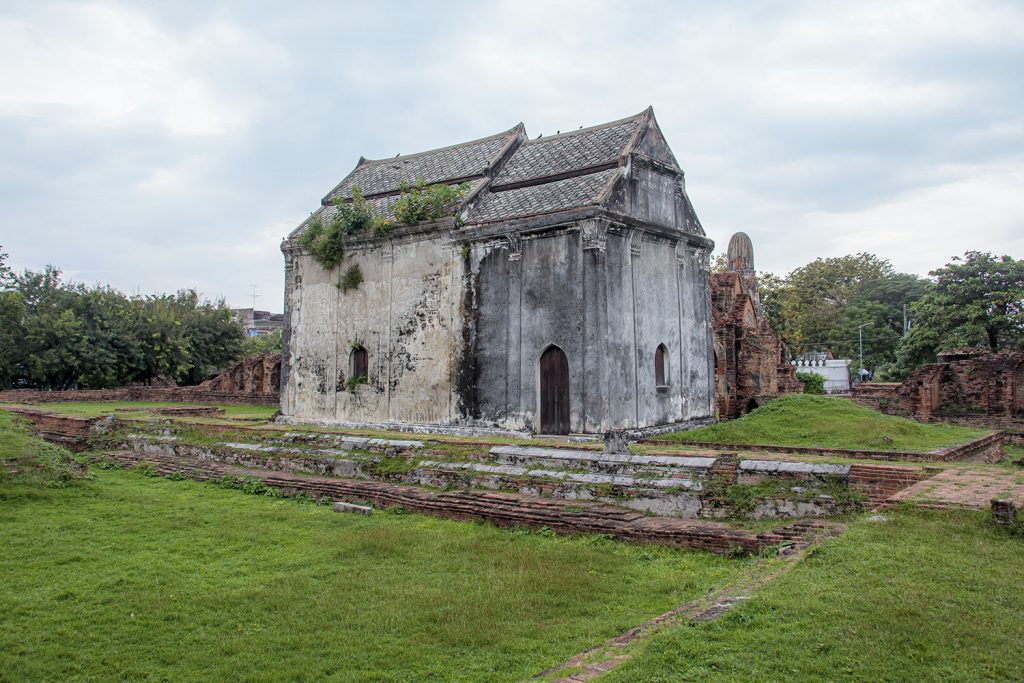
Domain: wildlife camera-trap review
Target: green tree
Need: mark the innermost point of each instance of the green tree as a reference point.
(720, 263)
(52, 334)
(977, 301)
(12, 335)
(213, 338)
(6, 275)
(820, 306)
(268, 343)
(56, 335)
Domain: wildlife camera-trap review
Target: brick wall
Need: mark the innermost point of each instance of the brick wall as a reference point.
(750, 359)
(251, 381)
(973, 390)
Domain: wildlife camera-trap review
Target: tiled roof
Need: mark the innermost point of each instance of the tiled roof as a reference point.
(544, 157)
(512, 177)
(381, 206)
(446, 164)
(569, 193)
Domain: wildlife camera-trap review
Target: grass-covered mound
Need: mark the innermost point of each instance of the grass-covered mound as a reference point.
(828, 422)
(131, 577)
(27, 459)
(924, 596)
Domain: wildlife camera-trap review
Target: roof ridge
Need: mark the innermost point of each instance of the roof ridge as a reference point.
(519, 127)
(590, 129)
(555, 177)
(634, 140)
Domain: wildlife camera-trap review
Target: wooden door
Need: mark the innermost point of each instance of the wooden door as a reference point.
(554, 392)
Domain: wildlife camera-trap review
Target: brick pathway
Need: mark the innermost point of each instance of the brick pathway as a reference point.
(965, 488)
(592, 663)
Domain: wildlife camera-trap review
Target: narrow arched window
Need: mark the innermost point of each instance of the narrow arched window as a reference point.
(660, 361)
(360, 363)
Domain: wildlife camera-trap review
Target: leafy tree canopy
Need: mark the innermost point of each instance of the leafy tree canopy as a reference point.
(821, 306)
(977, 301)
(57, 335)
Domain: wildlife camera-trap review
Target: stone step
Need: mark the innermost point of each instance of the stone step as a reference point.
(584, 478)
(349, 442)
(600, 463)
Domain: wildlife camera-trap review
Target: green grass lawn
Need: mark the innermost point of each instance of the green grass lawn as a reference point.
(828, 422)
(927, 596)
(125, 577)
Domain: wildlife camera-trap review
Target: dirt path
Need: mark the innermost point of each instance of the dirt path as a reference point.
(590, 664)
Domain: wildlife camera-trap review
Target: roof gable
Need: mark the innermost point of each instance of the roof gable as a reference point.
(567, 153)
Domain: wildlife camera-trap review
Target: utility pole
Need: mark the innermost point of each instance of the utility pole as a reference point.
(860, 339)
(251, 331)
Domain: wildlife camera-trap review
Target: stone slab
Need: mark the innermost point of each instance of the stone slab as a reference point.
(790, 467)
(568, 455)
(339, 506)
(562, 475)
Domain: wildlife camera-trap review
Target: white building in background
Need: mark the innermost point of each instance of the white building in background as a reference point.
(258, 323)
(835, 372)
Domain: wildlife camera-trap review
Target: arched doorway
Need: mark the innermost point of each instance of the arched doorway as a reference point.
(554, 391)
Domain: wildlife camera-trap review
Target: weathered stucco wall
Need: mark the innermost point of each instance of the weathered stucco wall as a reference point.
(608, 297)
(406, 315)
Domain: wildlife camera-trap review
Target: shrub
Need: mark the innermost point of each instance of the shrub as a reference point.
(423, 202)
(813, 382)
(352, 382)
(352, 278)
(324, 242)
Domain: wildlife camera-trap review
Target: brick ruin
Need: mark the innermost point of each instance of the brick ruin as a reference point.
(253, 380)
(258, 375)
(963, 386)
(751, 364)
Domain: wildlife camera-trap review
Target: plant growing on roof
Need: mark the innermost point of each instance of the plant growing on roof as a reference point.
(325, 242)
(422, 202)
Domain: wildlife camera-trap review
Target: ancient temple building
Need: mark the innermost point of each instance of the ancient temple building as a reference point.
(751, 365)
(567, 293)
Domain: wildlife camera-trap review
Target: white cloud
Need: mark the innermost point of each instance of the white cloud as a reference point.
(105, 64)
(981, 209)
(186, 139)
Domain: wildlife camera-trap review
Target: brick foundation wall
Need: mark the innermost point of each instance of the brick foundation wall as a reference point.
(879, 482)
(73, 433)
(503, 509)
(986, 449)
(980, 390)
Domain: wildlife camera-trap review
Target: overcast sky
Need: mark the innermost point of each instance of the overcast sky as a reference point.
(158, 146)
